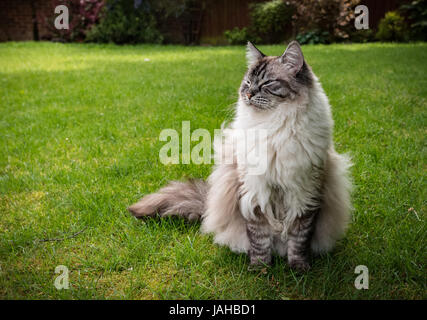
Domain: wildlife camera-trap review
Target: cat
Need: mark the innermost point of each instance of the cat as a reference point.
(301, 204)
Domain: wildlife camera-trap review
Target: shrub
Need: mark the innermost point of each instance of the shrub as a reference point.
(84, 14)
(126, 21)
(392, 27)
(321, 21)
(272, 20)
(179, 21)
(313, 37)
(240, 36)
(416, 13)
(362, 36)
(333, 16)
(236, 36)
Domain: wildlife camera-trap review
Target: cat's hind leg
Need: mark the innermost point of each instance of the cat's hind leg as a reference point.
(300, 234)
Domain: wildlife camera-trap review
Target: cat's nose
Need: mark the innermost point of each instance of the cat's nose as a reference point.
(249, 95)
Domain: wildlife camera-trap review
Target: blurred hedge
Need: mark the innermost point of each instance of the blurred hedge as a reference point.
(274, 21)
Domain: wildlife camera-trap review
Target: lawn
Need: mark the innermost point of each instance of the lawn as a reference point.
(79, 128)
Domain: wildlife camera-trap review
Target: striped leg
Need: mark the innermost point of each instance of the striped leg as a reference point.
(260, 240)
(299, 238)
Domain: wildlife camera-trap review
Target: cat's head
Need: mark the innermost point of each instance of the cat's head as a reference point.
(272, 80)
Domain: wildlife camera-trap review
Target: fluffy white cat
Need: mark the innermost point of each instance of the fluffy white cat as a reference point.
(301, 202)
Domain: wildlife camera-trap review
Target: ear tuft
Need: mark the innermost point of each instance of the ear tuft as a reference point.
(253, 54)
(293, 57)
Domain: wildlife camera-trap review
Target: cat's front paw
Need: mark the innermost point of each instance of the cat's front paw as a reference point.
(299, 265)
(258, 267)
(259, 262)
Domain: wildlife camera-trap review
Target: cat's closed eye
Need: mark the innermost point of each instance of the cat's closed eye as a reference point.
(275, 89)
(268, 83)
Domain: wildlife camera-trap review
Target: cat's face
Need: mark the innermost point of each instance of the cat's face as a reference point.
(271, 81)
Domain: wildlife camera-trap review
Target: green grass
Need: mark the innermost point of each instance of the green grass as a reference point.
(79, 128)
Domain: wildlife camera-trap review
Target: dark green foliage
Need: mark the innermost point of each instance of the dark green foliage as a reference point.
(416, 13)
(392, 28)
(240, 36)
(236, 36)
(362, 36)
(313, 37)
(272, 20)
(125, 22)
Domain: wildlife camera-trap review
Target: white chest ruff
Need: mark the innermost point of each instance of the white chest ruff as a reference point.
(295, 149)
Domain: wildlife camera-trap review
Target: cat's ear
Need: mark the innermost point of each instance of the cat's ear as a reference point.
(293, 59)
(253, 54)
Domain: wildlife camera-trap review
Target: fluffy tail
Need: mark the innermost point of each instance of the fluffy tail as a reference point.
(335, 213)
(186, 199)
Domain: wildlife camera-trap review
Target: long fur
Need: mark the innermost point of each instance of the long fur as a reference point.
(185, 199)
(299, 139)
